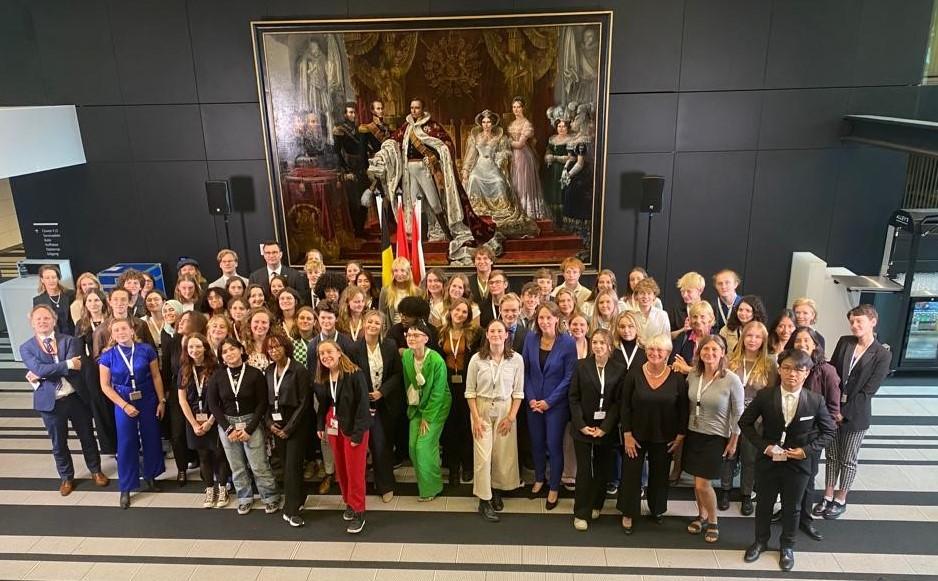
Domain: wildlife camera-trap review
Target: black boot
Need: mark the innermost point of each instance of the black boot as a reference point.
(125, 500)
(723, 500)
(487, 512)
(149, 484)
(497, 503)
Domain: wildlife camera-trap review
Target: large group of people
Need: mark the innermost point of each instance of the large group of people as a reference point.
(266, 380)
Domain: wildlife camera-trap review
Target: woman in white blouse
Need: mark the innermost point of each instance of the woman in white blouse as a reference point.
(494, 390)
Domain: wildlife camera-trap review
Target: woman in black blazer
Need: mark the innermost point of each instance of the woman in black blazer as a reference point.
(289, 395)
(344, 418)
(863, 363)
(594, 413)
(381, 363)
(653, 417)
(52, 293)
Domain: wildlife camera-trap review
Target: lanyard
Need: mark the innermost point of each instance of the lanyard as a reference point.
(198, 386)
(496, 371)
(129, 363)
(747, 372)
(483, 288)
(277, 383)
(601, 371)
(333, 388)
(702, 389)
(236, 387)
(494, 311)
(854, 359)
(725, 316)
(628, 358)
(455, 348)
(355, 330)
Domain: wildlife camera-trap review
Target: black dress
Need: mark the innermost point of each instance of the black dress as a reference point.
(101, 407)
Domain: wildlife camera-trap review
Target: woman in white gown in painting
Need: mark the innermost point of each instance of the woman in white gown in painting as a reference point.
(485, 177)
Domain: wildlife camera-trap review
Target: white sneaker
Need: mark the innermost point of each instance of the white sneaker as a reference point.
(595, 514)
(209, 501)
(580, 524)
(221, 501)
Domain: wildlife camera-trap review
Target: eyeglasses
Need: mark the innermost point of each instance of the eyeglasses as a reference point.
(792, 369)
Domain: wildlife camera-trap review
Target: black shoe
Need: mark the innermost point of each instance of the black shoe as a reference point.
(723, 500)
(149, 484)
(497, 503)
(357, 523)
(745, 507)
(466, 477)
(786, 559)
(182, 478)
(819, 508)
(812, 532)
(487, 512)
(548, 505)
(656, 518)
(753, 552)
(777, 516)
(834, 510)
(125, 500)
(453, 476)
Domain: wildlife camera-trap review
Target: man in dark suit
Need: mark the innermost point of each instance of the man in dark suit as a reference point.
(795, 426)
(510, 314)
(272, 256)
(483, 259)
(54, 364)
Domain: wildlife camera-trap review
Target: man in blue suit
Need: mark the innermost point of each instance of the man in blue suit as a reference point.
(54, 364)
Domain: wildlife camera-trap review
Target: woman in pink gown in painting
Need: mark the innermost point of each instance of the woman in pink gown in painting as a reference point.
(524, 166)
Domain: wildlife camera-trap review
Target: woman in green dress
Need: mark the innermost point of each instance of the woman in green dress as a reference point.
(555, 159)
(428, 403)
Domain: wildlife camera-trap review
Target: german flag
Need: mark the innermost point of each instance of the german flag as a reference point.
(387, 254)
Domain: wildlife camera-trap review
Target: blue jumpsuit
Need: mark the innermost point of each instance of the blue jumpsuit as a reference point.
(143, 429)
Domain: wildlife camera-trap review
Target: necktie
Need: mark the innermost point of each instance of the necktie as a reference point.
(272, 275)
(789, 407)
(511, 336)
(47, 345)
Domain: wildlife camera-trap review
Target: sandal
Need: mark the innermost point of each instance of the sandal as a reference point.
(713, 534)
(697, 526)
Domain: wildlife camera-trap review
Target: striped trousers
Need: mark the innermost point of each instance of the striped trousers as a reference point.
(842, 456)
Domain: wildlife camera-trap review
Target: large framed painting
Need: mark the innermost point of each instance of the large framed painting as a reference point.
(465, 131)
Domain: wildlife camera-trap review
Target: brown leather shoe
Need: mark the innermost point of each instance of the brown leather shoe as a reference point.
(326, 484)
(67, 487)
(100, 479)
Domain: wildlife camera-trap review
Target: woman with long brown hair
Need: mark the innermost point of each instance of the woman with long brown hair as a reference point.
(459, 338)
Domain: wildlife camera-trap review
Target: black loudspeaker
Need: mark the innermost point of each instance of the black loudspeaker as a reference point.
(219, 197)
(652, 191)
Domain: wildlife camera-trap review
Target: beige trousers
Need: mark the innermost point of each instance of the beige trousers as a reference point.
(495, 456)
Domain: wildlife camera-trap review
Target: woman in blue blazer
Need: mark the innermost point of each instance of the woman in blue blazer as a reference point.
(549, 361)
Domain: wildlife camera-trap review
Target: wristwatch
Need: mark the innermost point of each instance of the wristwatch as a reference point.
(163, 400)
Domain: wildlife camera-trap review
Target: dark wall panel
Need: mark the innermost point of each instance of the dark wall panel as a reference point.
(643, 122)
(725, 42)
(166, 132)
(812, 44)
(709, 214)
(647, 47)
(626, 230)
(396, 8)
(792, 209)
(154, 57)
(19, 57)
(51, 196)
(77, 52)
(221, 46)
(252, 220)
(892, 42)
(888, 101)
(104, 133)
(718, 121)
(233, 131)
(805, 118)
(305, 9)
(870, 187)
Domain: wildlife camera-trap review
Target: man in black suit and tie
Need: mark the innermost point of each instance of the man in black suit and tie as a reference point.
(272, 256)
(795, 425)
(53, 363)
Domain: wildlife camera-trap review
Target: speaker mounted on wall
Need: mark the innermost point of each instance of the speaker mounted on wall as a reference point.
(652, 194)
(219, 197)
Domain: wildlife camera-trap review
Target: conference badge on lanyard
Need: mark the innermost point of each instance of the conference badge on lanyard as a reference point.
(276, 415)
(701, 389)
(600, 414)
(200, 416)
(135, 394)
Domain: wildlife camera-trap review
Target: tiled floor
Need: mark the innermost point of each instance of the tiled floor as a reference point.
(168, 536)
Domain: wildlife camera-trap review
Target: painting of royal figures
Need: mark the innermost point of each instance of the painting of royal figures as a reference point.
(478, 131)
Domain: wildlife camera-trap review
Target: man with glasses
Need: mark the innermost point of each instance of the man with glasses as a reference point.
(795, 425)
(489, 308)
(273, 255)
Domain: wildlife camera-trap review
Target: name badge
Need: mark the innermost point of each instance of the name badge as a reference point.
(240, 425)
(843, 398)
(277, 416)
(333, 428)
(778, 454)
(136, 395)
(599, 415)
(455, 378)
(201, 418)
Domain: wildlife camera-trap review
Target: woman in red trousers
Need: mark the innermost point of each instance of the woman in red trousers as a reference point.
(342, 391)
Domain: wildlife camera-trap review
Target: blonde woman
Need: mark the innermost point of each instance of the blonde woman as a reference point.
(566, 303)
(750, 361)
(402, 285)
(605, 280)
(691, 286)
(605, 312)
(688, 342)
(83, 285)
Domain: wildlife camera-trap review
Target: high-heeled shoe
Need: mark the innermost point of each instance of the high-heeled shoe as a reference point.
(182, 478)
(548, 505)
